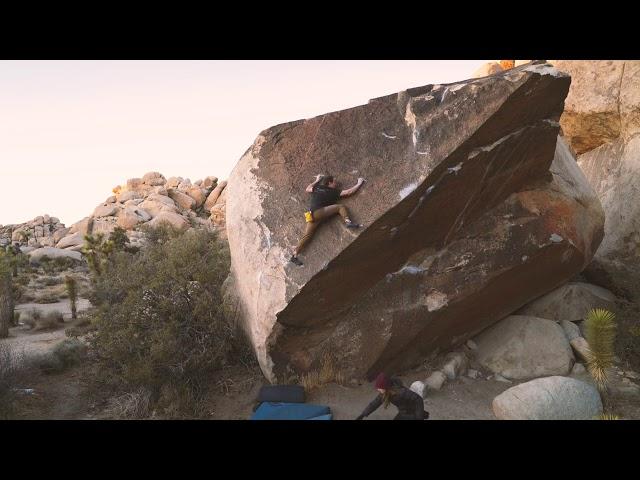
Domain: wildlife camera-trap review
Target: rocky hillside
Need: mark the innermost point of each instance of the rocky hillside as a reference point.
(43, 231)
(150, 200)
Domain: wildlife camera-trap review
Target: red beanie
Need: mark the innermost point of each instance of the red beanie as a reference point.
(382, 381)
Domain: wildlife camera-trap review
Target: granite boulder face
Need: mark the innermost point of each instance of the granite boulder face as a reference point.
(601, 120)
(439, 159)
(529, 244)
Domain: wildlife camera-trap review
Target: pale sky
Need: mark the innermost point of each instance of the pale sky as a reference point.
(70, 131)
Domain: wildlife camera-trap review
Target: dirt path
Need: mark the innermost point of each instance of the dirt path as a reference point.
(61, 396)
(461, 399)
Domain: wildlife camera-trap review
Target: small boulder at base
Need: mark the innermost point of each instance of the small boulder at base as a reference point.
(570, 302)
(571, 330)
(581, 347)
(435, 380)
(419, 387)
(521, 347)
(549, 398)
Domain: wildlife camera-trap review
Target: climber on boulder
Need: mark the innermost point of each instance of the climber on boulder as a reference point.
(324, 195)
(410, 405)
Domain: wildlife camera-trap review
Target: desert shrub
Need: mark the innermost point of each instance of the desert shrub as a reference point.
(160, 322)
(14, 372)
(64, 263)
(70, 351)
(51, 281)
(48, 363)
(55, 265)
(327, 372)
(65, 354)
(47, 298)
(51, 320)
(130, 406)
(27, 297)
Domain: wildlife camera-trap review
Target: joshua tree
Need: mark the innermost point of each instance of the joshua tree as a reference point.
(601, 335)
(6, 298)
(70, 283)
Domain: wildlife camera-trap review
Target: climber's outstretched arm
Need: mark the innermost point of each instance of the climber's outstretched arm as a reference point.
(354, 189)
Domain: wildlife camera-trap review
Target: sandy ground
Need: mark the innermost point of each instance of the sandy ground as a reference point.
(461, 399)
(29, 343)
(66, 395)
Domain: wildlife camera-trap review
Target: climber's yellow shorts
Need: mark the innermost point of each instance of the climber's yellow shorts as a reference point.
(308, 216)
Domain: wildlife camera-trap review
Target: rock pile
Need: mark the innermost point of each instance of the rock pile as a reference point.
(42, 231)
(152, 200)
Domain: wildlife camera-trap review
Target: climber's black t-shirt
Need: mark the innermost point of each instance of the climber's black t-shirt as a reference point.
(323, 196)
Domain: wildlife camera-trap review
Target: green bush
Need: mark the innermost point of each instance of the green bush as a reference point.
(160, 322)
(48, 363)
(70, 351)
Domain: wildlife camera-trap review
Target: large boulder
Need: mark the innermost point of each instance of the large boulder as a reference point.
(181, 199)
(105, 210)
(602, 121)
(198, 196)
(536, 239)
(155, 207)
(173, 219)
(128, 195)
(521, 348)
(550, 398)
(37, 254)
(570, 302)
(154, 179)
(445, 164)
(214, 195)
(210, 182)
(487, 69)
(128, 219)
(591, 115)
(83, 227)
(218, 211)
(71, 240)
(614, 171)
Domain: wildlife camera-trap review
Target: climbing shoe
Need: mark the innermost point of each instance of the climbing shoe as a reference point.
(296, 260)
(351, 224)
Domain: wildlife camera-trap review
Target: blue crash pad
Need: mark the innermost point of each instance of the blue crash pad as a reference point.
(289, 411)
(323, 417)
